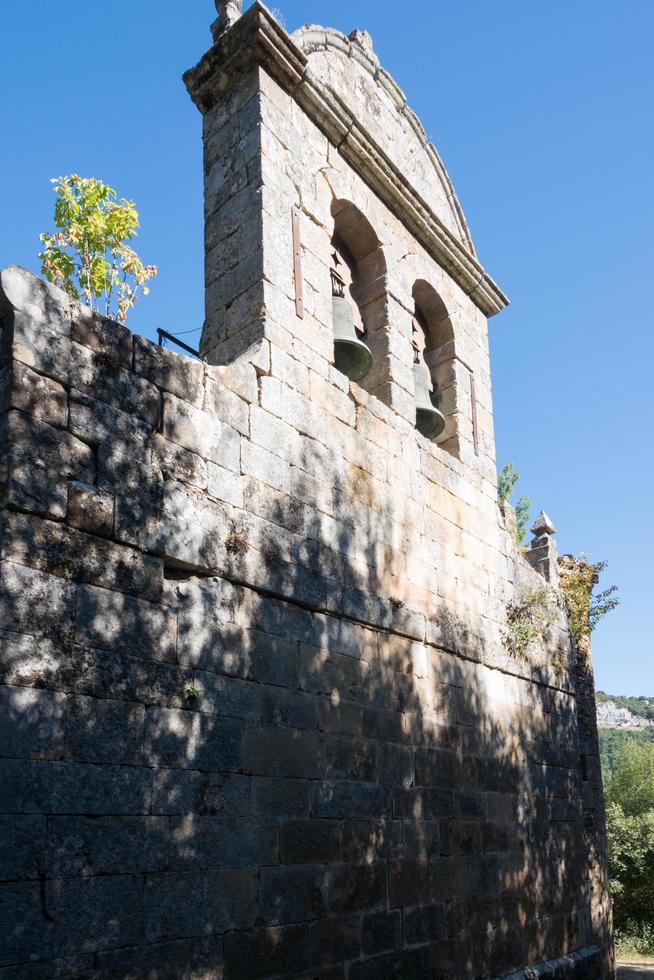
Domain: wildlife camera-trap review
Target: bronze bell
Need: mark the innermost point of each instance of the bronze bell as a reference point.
(351, 355)
(430, 421)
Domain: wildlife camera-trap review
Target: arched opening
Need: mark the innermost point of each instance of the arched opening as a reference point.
(359, 289)
(434, 363)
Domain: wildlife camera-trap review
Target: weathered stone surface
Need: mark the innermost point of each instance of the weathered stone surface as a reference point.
(170, 371)
(183, 904)
(104, 732)
(99, 333)
(90, 509)
(23, 853)
(167, 961)
(69, 554)
(22, 291)
(85, 846)
(110, 620)
(69, 788)
(33, 394)
(186, 740)
(201, 433)
(33, 723)
(35, 603)
(37, 463)
(179, 464)
(267, 952)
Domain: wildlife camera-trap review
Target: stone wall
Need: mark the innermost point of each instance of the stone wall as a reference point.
(259, 714)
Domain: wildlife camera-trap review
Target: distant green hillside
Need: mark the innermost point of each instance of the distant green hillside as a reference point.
(612, 741)
(643, 707)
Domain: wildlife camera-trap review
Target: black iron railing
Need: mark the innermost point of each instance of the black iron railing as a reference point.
(165, 336)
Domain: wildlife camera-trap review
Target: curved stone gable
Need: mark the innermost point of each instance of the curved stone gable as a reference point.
(349, 67)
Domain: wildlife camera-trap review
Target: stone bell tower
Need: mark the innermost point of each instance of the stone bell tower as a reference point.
(264, 709)
(312, 156)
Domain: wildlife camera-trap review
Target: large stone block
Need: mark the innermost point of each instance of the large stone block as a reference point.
(90, 509)
(70, 554)
(282, 951)
(32, 723)
(104, 732)
(95, 423)
(201, 843)
(283, 752)
(201, 433)
(87, 846)
(221, 402)
(291, 895)
(35, 603)
(70, 788)
(24, 292)
(310, 842)
(277, 797)
(23, 854)
(22, 928)
(357, 887)
(169, 371)
(38, 462)
(109, 620)
(167, 961)
(381, 932)
(187, 740)
(101, 334)
(350, 800)
(177, 793)
(94, 913)
(177, 463)
(33, 394)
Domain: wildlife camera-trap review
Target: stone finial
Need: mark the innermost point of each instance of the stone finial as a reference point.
(543, 525)
(229, 12)
(363, 40)
(542, 554)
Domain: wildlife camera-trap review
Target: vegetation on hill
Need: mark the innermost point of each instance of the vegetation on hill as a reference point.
(642, 707)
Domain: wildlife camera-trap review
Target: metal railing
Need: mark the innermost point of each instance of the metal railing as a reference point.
(165, 336)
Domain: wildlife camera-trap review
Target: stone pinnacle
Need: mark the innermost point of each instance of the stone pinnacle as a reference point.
(543, 525)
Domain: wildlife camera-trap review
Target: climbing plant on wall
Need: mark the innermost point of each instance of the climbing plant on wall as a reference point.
(89, 254)
(579, 580)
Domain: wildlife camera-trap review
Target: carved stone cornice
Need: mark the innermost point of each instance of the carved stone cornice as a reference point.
(257, 39)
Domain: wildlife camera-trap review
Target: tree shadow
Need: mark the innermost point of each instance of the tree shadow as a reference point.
(234, 744)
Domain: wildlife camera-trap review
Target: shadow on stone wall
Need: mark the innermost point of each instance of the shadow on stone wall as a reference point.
(206, 779)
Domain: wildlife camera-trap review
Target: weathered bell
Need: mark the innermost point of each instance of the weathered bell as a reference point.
(351, 355)
(429, 420)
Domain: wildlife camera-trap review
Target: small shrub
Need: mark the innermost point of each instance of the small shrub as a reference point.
(192, 693)
(89, 255)
(529, 620)
(237, 543)
(506, 483)
(635, 940)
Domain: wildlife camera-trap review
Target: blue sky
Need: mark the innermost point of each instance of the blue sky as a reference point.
(543, 115)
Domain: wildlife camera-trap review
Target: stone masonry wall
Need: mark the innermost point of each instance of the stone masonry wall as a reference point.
(260, 718)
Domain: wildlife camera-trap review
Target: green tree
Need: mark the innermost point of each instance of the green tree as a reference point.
(89, 255)
(632, 784)
(630, 830)
(506, 483)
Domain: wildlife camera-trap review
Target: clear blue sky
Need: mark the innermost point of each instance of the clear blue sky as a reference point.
(543, 115)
